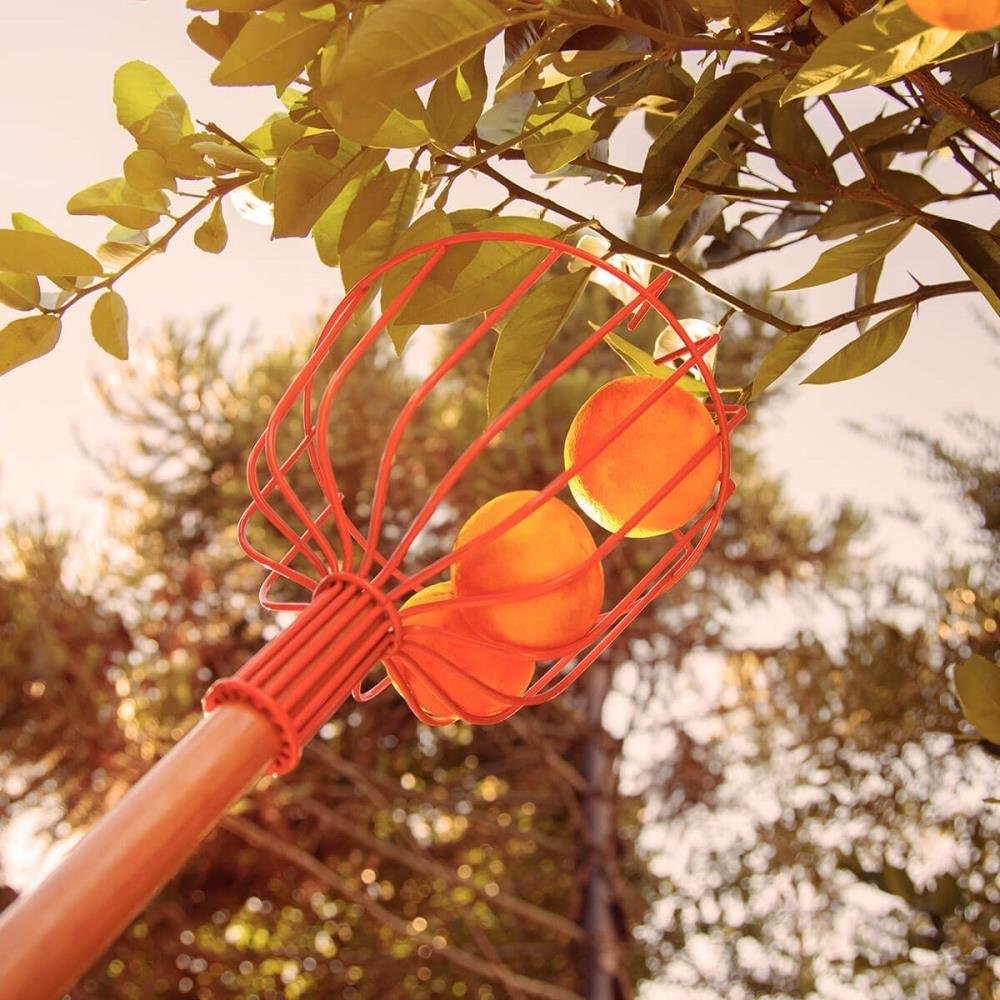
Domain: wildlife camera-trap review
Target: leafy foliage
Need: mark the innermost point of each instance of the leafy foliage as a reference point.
(746, 151)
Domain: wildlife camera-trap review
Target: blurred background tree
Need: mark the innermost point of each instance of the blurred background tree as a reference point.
(708, 807)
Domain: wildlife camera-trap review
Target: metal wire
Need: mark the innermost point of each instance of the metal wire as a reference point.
(322, 547)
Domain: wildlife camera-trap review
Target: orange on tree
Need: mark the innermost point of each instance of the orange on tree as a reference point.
(959, 15)
(538, 548)
(644, 457)
(505, 670)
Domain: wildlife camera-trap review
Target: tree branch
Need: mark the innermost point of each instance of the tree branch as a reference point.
(257, 837)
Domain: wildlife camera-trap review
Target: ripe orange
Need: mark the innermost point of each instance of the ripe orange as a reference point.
(549, 542)
(959, 15)
(508, 672)
(643, 457)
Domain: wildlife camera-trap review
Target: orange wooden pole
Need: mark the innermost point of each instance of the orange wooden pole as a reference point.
(53, 934)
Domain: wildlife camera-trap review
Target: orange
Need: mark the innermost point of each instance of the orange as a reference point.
(540, 547)
(959, 15)
(504, 670)
(644, 456)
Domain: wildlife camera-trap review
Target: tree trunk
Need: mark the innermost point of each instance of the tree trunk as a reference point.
(601, 953)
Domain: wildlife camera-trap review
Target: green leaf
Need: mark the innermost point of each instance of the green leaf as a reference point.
(146, 171)
(26, 339)
(867, 352)
(19, 291)
(373, 224)
(118, 200)
(643, 363)
(848, 258)
(791, 136)
(430, 226)
(212, 235)
(327, 228)
(214, 39)
(977, 252)
(402, 125)
(403, 44)
(275, 44)
(525, 333)
(562, 136)
(852, 214)
(228, 157)
(682, 145)
(552, 69)
(865, 289)
(310, 176)
(149, 107)
(456, 102)
(882, 45)
(761, 15)
(26, 252)
(781, 357)
(471, 278)
(275, 135)
(109, 324)
(977, 681)
(230, 6)
(117, 253)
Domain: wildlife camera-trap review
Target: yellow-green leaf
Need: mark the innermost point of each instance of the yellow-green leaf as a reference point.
(373, 224)
(560, 138)
(641, 362)
(430, 226)
(30, 252)
(400, 125)
(310, 176)
(525, 333)
(109, 324)
(116, 253)
(118, 200)
(230, 6)
(781, 357)
(327, 228)
(214, 39)
(471, 278)
(867, 352)
(977, 681)
(211, 235)
(403, 44)
(553, 69)
(456, 102)
(275, 44)
(19, 291)
(149, 107)
(224, 155)
(26, 339)
(882, 45)
(848, 258)
(682, 145)
(146, 171)
(275, 135)
(977, 252)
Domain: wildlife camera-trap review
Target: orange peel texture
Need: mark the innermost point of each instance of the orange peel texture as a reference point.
(644, 456)
(541, 547)
(508, 671)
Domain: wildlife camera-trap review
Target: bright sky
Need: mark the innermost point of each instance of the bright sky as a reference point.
(60, 135)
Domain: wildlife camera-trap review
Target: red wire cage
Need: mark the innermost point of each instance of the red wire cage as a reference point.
(349, 616)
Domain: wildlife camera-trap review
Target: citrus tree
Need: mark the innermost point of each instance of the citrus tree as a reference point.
(723, 119)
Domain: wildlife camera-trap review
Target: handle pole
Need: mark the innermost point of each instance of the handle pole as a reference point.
(54, 933)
